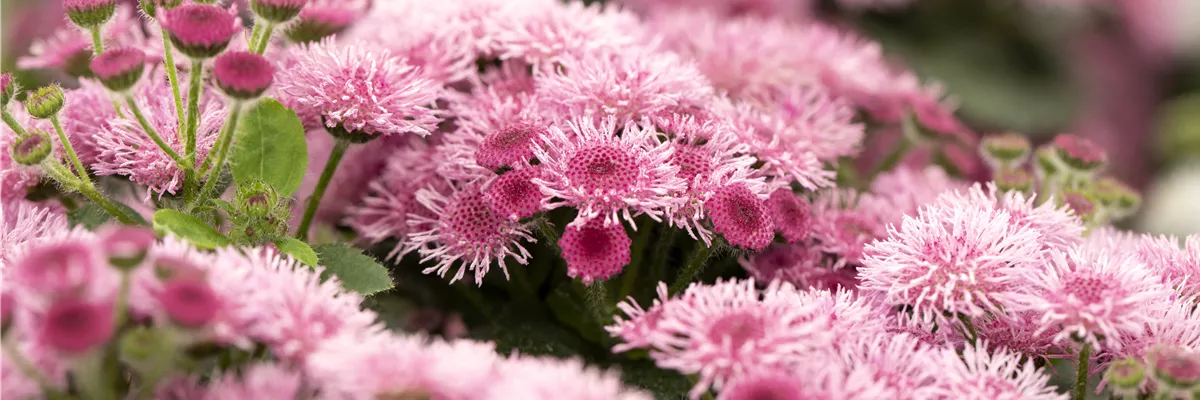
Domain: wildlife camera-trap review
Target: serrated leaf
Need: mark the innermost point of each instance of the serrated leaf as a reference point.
(91, 215)
(189, 228)
(269, 146)
(298, 250)
(355, 270)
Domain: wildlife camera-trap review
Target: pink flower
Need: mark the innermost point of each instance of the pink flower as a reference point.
(1096, 297)
(906, 189)
(63, 268)
(27, 224)
(83, 120)
(463, 228)
(258, 381)
(845, 221)
(69, 48)
(125, 149)
(791, 215)
(1178, 265)
(552, 378)
(15, 178)
(981, 375)
(805, 119)
(630, 86)
(947, 261)
(607, 176)
(355, 89)
(545, 33)
(514, 194)
(1059, 228)
(391, 196)
(595, 251)
(887, 366)
(509, 145)
(391, 365)
(243, 75)
(1019, 332)
(200, 30)
(439, 37)
(189, 303)
(789, 9)
(638, 330)
(359, 167)
(767, 385)
(741, 217)
(75, 326)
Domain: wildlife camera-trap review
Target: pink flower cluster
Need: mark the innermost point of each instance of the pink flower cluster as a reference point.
(61, 304)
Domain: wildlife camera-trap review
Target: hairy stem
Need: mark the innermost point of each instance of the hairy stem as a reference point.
(66, 143)
(694, 265)
(122, 301)
(597, 301)
(547, 230)
(97, 41)
(891, 159)
(96, 197)
(153, 134)
(265, 39)
(224, 142)
(335, 157)
(1081, 372)
(12, 122)
(193, 110)
(173, 78)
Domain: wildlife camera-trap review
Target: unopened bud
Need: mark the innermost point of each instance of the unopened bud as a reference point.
(7, 88)
(119, 69)
(1126, 376)
(277, 11)
(1080, 153)
(1007, 150)
(126, 246)
(316, 23)
(200, 30)
(32, 148)
(90, 14)
(45, 102)
(1175, 368)
(1117, 196)
(243, 75)
(1014, 179)
(1082, 204)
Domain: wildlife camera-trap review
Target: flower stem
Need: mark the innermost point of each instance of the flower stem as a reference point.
(153, 134)
(66, 143)
(891, 159)
(173, 78)
(255, 33)
(224, 142)
(96, 197)
(264, 39)
(597, 301)
(97, 41)
(12, 122)
(193, 110)
(1081, 372)
(968, 329)
(547, 230)
(695, 263)
(335, 157)
(122, 301)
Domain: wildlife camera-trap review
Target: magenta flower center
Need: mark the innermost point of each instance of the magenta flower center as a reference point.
(692, 162)
(468, 219)
(1090, 290)
(508, 145)
(602, 169)
(75, 325)
(738, 329)
(190, 303)
(594, 242)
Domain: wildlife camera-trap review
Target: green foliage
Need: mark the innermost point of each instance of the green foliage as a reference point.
(270, 147)
(91, 215)
(297, 249)
(357, 271)
(664, 384)
(189, 228)
(535, 338)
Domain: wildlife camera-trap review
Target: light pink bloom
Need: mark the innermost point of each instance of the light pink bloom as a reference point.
(791, 215)
(631, 85)
(125, 149)
(981, 375)
(359, 89)
(1178, 265)
(1095, 296)
(906, 189)
(69, 48)
(391, 365)
(788, 154)
(359, 167)
(391, 196)
(845, 221)
(642, 324)
(741, 217)
(84, 117)
(950, 260)
(1020, 332)
(595, 251)
(790, 9)
(1059, 228)
(462, 228)
(768, 385)
(552, 379)
(542, 34)
(27, 224)
(888, 366)
(1175, 324)
(258, 381)
(805, 119)
(607, 176)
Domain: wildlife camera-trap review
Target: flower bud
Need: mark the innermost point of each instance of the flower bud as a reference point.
(1013, 179)
(7, 88)
(199, 30)
(1117, 195)
(316, 23)
(1046, 162)
(1080, 153)
(277, 11)
(257, 199)
(32, 148)
(90, 14)
(1081, 203)
(1126, 376)
(150, 7)
(45, 102)
(243, 75)
(1175, 368)
(189, 302)
(75, 326)
(126, 246)
(119, 69)
(1006, 150)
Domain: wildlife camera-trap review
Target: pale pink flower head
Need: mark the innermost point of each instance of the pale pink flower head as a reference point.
(1175, 369)
(775, 385)
(243, 75)
(189, 302)
(791, 215)
(70, 48)
(595, 251)
(359, 90)
(887, 366)
(728, 329)
(62, 268)
(200, 30)
(803, 118)
(907, 189)
(542, 34)
(1095, 296)
(462, 228)
(552, 378)
(126, 150)
(1018, 331)
(639, 329)
(514, 194)
(396, 366)
(787, 146)
(1174, 324)
(509, 145)
(1059, 228)
(73, 325)
(258, 381)
(606, 173)
(631, 85)
(83, 122)
(1178, 265)
(438, 37)
(951, 260)
(26, 224)
(982, 375)
(845, 221)
(391, 196)
(741, 217)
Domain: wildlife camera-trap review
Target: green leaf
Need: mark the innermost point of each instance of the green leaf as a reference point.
(91, 215)
(356, 271)
(188, 227)
(297, 249)
(569, 308)
(269, 146)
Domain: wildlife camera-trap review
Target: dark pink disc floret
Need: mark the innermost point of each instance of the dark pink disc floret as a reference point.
(200, 25)
(594, 251)
(189, 302)
(508, 145)
(1079, 151)
(791, 215)
(117, 62)
(75, 326)
(741, 216)
(514, 194)
(243, 74)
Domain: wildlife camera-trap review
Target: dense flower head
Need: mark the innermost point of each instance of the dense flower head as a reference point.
(189, 302)
(791, 215)
(391, 197)
(63, 269)
(119, 68)
(462, 228)
(359, 90)
(595, 251)
(950, 260)
(242, 74)
(542, 34)
(906, 189)
(1079, 152)
(200, 30)
(1178, 263)
(742, 217)
(70, 48)
(979, 374)
(514, 194)
(126, 150)
(787, 142)
(640, 325)
(320, 19)
(1094, 296)
(1059, 227)
(607, 173)
(74, 325)
(509, 145)
(258, 381)
(441, 38)
(552, 378)
(845, 221)
(404, 366)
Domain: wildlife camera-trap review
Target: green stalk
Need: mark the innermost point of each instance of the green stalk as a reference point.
(66, 143)
(96, 197)
(122, 301)
(335, 157)
(224, 142)
(635, 263)
(69, 181)
(968, 329)
(695, 263)
(1081, 372)
(597, 301)
(550, 234)
(891, 159)
(153, 134)
(265, 39)
(97, 41)
(12, 123)
(255, 33)
(173, 78)
(193, 110)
